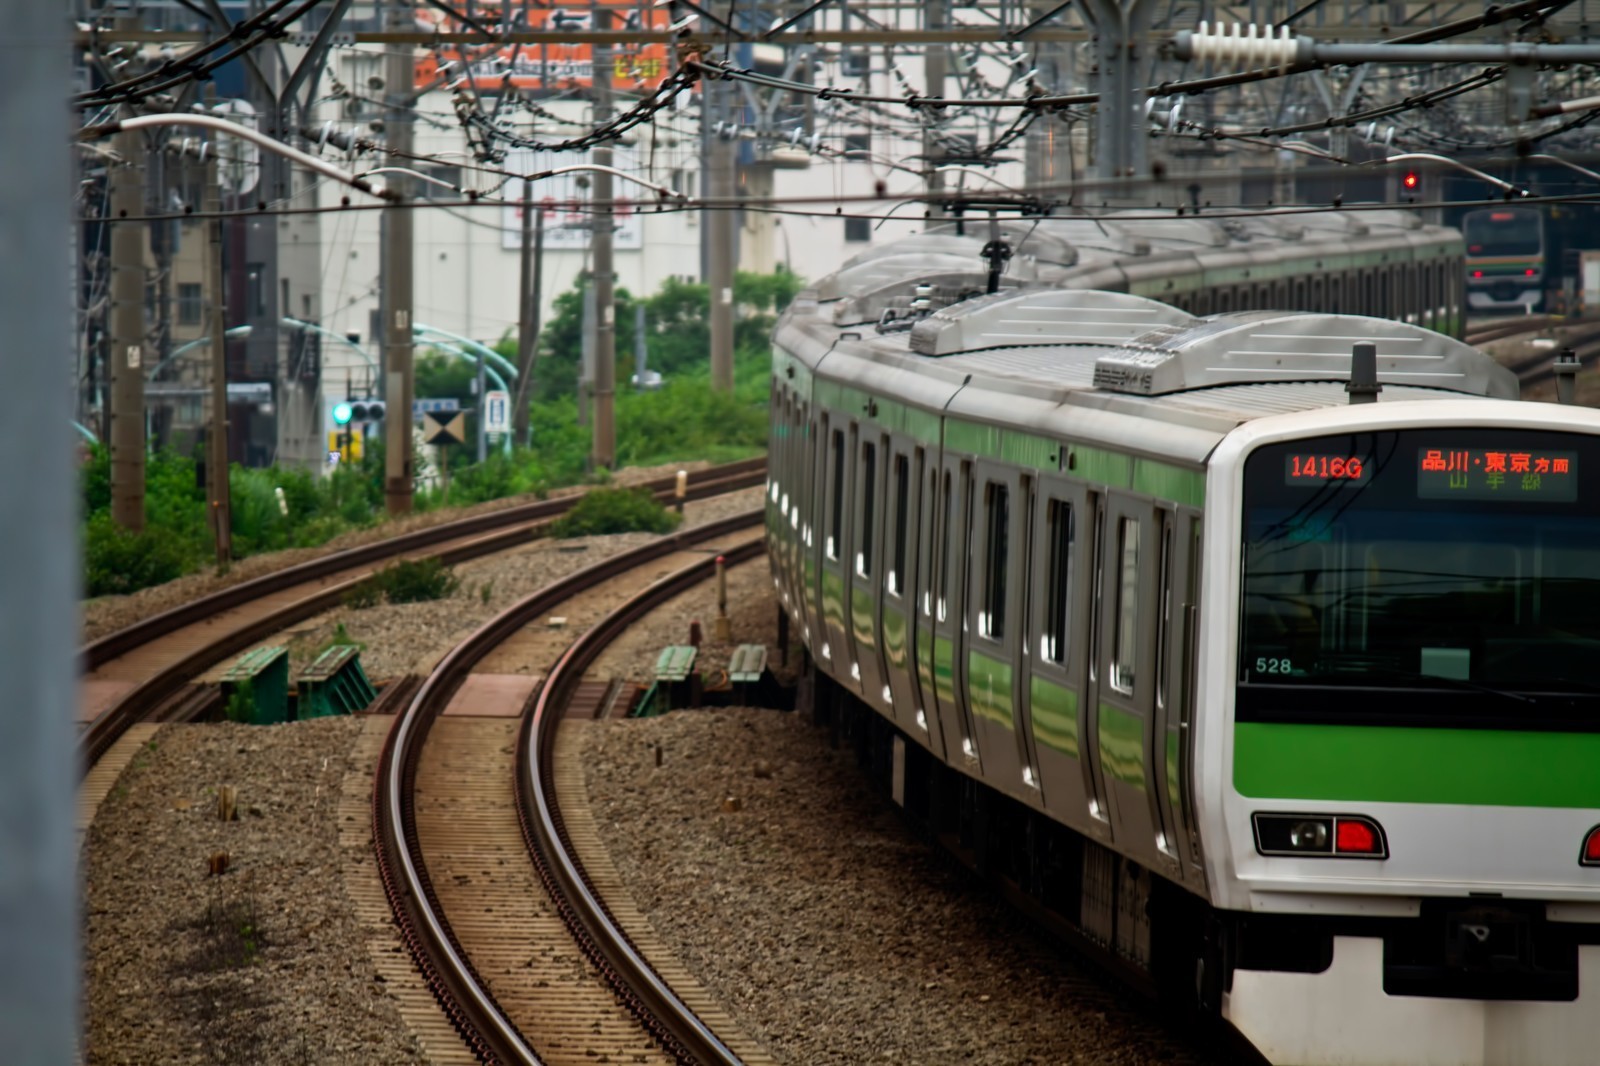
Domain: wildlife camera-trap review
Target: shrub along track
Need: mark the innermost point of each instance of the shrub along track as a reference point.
(525, 958)
(141, 674)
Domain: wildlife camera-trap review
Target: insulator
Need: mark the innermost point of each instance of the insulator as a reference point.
(1245, 47)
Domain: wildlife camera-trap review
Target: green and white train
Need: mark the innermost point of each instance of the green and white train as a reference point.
(1289, 702)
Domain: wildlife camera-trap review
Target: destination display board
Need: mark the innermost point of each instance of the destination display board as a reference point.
(1506, 472)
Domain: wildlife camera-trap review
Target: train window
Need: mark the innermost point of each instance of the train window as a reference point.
(902, 502)
(997, 508)
(869, 505)
(1124, 648)
(944, 556)
(836, 519)
(1058, 581)
(929, 541)
(1164, 621)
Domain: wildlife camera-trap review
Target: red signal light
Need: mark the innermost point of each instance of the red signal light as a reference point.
(1529, 272)
(1410, 181)
(1477, 273)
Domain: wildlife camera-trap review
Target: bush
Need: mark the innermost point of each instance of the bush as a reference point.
(604, 511)
(407, 581)
(117, 562)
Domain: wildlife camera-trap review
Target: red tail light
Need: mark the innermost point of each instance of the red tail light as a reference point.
(1590, 855)
(1529, 272)
(1477, 273)
(1357, 836)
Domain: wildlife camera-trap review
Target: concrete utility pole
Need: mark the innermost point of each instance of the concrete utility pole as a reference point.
(39, 573)
(719, 238)
(221, 509)
(935, 63)
(1123, 53)
(127, 333)
(528, 326)
(603, 451)
(399, 383)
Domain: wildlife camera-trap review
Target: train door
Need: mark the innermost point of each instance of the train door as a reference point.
(993, 616)
(931, 535)
(1126, 670)
(897, 600)
(1091, 679)
(833, 650)
(805, 513)
(1175, 607)
(862, 581)
(1183, 663)
(1060, 576)
(949, 641)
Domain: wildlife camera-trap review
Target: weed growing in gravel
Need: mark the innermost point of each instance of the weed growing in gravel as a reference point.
(615, 511)
(485, 591)
(340, 636)
(228, 933)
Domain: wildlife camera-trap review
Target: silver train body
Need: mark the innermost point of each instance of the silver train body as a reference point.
(1287, 701)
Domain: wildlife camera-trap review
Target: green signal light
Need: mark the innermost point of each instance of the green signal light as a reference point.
(341, 414)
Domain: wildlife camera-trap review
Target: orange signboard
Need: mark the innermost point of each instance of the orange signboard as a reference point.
(548, 67)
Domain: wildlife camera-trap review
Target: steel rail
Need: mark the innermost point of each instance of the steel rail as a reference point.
(643, 991)
(462, 994)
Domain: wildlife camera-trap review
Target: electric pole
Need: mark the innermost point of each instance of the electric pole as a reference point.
(934, 63)
(720, 236)
(40, 578)
(528, 326)
(217, 493)
(399, 74)
(603, 452)
(127, 333)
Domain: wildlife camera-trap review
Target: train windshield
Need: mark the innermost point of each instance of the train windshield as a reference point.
(1458, 570)
(1507, 231)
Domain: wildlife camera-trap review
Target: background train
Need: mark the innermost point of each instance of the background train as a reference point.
(1287, 702)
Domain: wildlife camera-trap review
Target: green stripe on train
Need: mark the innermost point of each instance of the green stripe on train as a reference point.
(1121, 735)
(1055, 715)
(989, 688)
(1387, 764)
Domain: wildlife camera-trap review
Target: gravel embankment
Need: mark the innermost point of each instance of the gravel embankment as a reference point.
(265, 965)
(410, 638)
(107, 614)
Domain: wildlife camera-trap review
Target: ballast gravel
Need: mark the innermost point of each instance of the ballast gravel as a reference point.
(832, 932)
(262, 965)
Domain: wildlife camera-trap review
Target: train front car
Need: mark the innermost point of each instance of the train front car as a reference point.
(1506, 259)
(1406, 656)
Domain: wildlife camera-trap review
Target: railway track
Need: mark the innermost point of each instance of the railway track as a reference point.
(1539, 368)
(1495, 331)
(140, 675)
(507, 926)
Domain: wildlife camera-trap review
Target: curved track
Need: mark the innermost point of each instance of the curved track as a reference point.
(140, 671)
(431, 910)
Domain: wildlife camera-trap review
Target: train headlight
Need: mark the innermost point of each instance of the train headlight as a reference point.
(1309, 836)
(1326, 836)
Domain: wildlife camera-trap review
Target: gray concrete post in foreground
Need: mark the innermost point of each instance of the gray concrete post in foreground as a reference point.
(39, 586)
